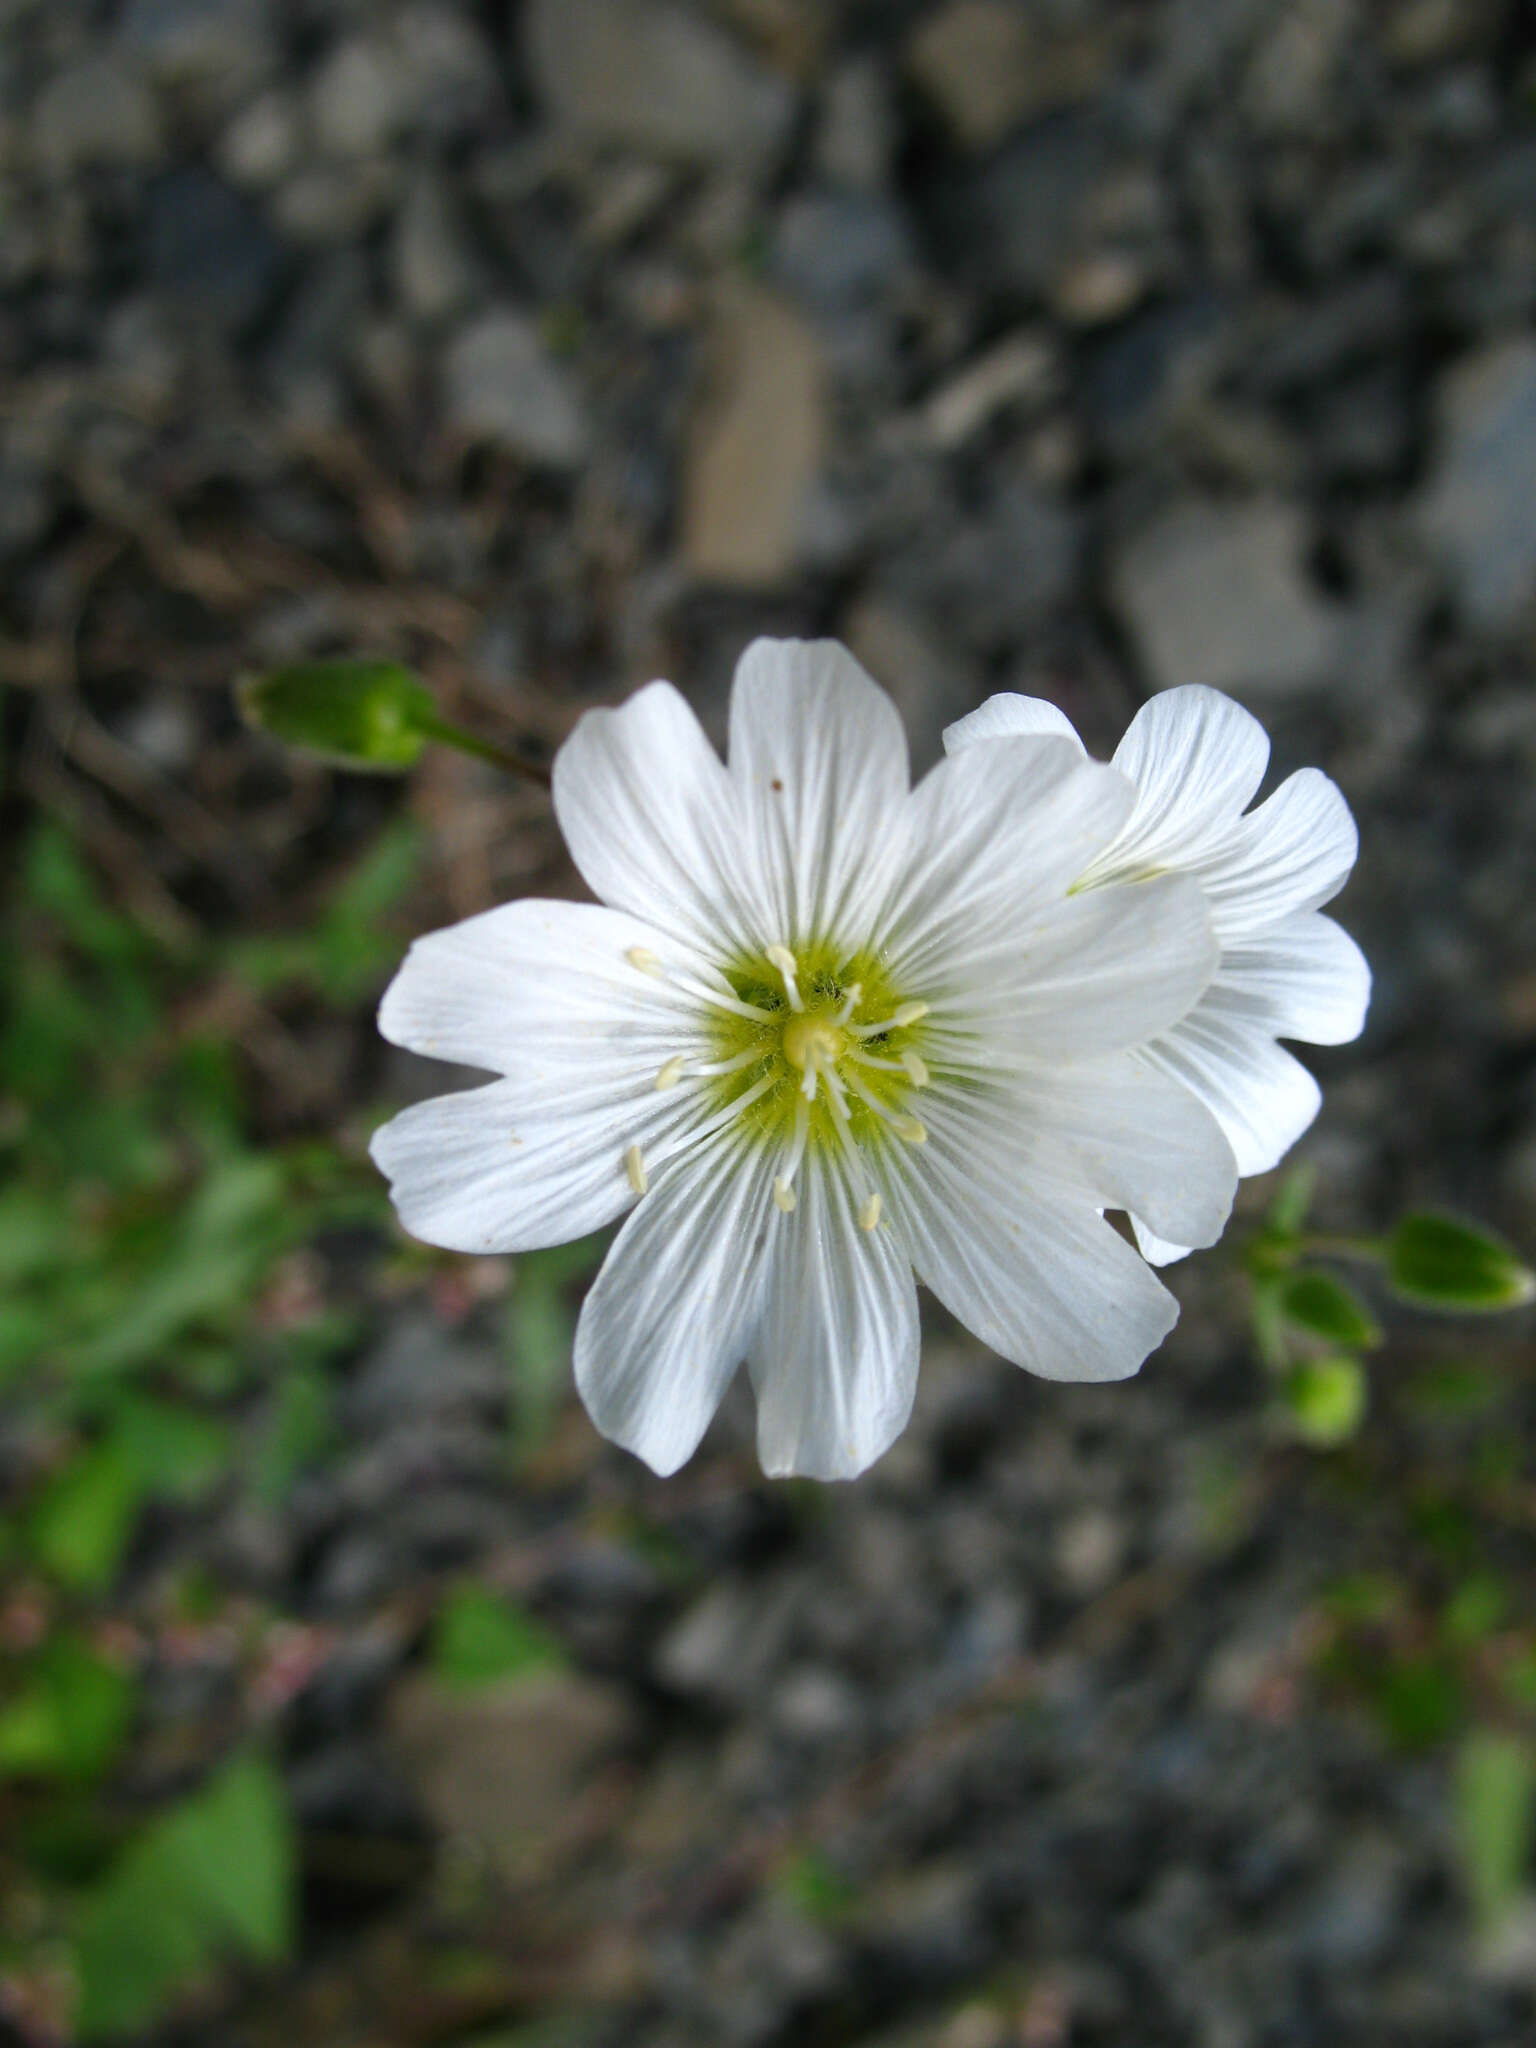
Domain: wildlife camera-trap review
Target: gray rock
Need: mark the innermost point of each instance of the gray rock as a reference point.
(96, 112)
(209, 249)
(263, 143)
(726, 1646)
(432, 272)
(857, 134)
(837, 252)
(499, 385)
(657, 78)
(449, 69)
(217, 47)
(356, 99)
(1478, 511)
(1218, 594)
(756, 444)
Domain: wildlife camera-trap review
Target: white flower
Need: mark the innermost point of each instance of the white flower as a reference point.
(1196, 760)
(822, 1030)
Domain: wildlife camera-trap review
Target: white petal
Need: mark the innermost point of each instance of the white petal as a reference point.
(819, 777)
(1262, 1097)
(516, 1165)
(1010, 716)
(1304, 978)
(835, 1363)
(1157, 1251)
(1291, 854)
(1048, 1284)
(537, 987)
(653, 824)
(1196, 760)
(994, 832)
(1097, 973)
(672, 1313)
(1125, 1136)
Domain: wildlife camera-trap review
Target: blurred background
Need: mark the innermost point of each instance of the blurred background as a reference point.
(351, 1689)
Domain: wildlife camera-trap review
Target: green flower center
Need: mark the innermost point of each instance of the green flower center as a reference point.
(820, 1050)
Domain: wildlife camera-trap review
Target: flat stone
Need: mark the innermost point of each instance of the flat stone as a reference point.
(657, 78)
(1218, 594)
(95, 112)
(756, 444)
(263, 143)
(356, 102)
(432, 271)
(501, 1768)
(499, 385)
(987, 67)
(1478, 510)
(218, 47)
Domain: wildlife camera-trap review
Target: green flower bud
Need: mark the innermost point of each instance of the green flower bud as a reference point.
(370, 715)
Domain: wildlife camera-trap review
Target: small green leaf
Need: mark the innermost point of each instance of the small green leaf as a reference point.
(1288, 1211)
(480, 1638)
(214, 1876)
(177, 1453)
(70, 1722)
(1474, 1611)
(817, 1888)
(81, 1525)
(1438, 1262)
(1495, 1811)
(366, 714)
(1324, 1307)
(1325, 1399)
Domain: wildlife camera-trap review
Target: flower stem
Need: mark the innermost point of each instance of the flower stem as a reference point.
(1368, 1251)
(485, 750)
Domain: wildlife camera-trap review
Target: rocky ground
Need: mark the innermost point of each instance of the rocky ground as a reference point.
(1077, 347)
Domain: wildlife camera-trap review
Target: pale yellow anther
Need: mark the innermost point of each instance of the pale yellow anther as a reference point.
(634, 1166)
(783, 1194)
(908, 1013)
(782, 958)
(917, 1068)
(909, 1128)
(672, 1072)
(869, 1215)
(643, 958)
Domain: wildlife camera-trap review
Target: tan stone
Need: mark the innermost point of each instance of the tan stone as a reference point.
(756, 443)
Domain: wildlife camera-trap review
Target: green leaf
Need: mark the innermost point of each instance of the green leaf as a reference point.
(177, 1453)
(1495, 1811)
(480, 1638)
(71, 1720)
(1325, 1399)
(372, 715)
(297, 1431)
(213, 1877)
(1474, 1611)
(540, 1329)
(1288, 1211)
(1439, 1262)
(81, 1525)
(1324, 1307)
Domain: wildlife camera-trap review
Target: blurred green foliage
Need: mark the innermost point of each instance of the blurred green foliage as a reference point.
(480, 1638)
(140, 1227)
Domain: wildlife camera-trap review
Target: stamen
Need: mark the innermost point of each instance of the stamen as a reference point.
(901, 1123)
(869, 1215)
(750, 1057)
(917, 1068)
(634, 1166)
(782, 958)
(783, 1194)
(851, 1000)
(672, 1072)
(903, 1015)
(647, 962)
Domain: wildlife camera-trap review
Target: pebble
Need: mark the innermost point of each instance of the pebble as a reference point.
(856, 136)
(756, 443)
(356, 100)
(97, 112)
(1218, 594)
(429, 262)
(1478, 510)
(500, 385)
(264, 141)
(653, 76)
